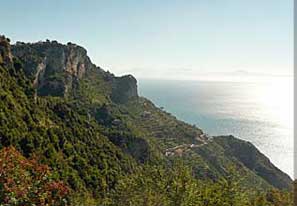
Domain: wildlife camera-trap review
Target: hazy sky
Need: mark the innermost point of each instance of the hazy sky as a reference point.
(163, 38)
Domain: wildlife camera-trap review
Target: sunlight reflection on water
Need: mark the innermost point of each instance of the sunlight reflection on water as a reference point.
(259, 111)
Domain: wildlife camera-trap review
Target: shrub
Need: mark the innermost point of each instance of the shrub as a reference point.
(26, 182)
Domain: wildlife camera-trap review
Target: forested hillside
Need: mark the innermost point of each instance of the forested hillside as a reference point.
(105, 145)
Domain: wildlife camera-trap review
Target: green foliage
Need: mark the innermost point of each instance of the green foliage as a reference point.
(114, 154)
(273, 198)
(155, 185)
(26, 182)
(64, 139)
(174, 185)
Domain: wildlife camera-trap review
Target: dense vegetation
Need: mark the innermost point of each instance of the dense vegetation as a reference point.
(108, 146)
(26, 182)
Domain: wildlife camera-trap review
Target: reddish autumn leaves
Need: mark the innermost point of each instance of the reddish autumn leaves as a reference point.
(26, 182)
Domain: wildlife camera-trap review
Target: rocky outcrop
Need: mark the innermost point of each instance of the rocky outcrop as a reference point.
(5, 51)
(54, 67)
(124, 88)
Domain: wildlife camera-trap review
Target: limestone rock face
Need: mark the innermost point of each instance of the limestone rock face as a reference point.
(5, 51)
(54, 68)
(124, 88)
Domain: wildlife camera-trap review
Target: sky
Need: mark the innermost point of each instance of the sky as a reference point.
(175, 39)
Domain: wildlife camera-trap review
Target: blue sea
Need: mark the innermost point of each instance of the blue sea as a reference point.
(258, 111)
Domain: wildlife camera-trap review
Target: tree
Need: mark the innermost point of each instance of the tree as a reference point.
(26, 182)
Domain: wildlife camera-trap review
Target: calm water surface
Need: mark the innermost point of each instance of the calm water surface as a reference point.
(259, 111)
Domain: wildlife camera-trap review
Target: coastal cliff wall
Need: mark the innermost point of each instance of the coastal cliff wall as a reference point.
(57, 69)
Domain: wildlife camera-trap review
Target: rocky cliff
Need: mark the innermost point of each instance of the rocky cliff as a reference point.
(5, 51)
(56, 69)
(124, 88)
(94, 142)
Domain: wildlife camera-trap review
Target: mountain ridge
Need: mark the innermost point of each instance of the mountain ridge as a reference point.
(92, 127)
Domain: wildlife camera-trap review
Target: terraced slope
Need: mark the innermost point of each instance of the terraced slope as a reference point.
(93, 129)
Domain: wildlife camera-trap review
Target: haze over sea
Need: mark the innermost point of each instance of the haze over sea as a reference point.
(259, 110)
